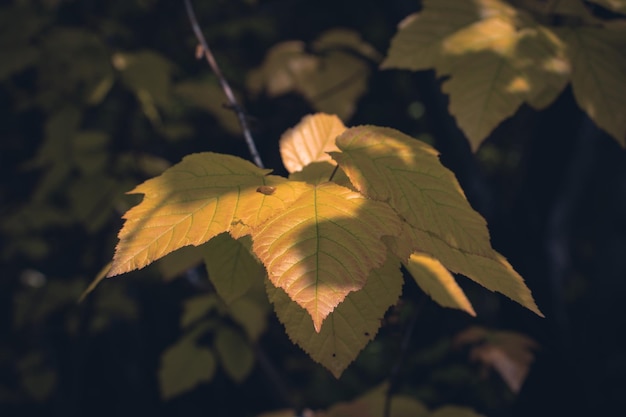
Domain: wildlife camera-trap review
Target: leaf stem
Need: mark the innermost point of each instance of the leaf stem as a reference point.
(232, 101)
(332, 175)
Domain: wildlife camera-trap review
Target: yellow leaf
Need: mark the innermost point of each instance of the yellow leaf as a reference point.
(493, 272)
(231, 267)
(618, 6)
(324, 246)
(508, 353)
(348, 329)
(387, 165)
(599, 63)
(310, 140)
(195, 200)
(319, 172)
(436, 281)
(496, 57)
(331, 79)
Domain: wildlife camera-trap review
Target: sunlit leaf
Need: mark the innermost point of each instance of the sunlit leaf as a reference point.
(204, 195)
(310, 140)
(235, 353)
(320, 172)
(350, 327)
(231, 267)
(599, 63)
(494, 272)
(324, 246)
(496, 57)
(435, 280)
(387, 165)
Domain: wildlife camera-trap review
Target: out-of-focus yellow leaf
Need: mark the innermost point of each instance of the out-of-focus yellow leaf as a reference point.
(493, 272)
(599, 63)
(387, 165)
(331, 78)
(234, 352)
(508, 353)
(324, 246)
(184, 366)
(618, 6)
(436, 281)
(349, 327)
(310, 140)
(231, 267)
(204, 195)
(454, 411)
(496, 57)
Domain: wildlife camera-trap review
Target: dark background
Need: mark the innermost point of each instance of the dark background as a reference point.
(551, 185)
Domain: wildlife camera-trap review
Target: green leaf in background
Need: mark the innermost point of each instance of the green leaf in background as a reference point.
(234, 352)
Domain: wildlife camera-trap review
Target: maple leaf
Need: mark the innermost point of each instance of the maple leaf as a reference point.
(324, 245)
(495, 58)
(310, 140)
(437, 282)
(349, 327)
(195, 200)
(387, 165)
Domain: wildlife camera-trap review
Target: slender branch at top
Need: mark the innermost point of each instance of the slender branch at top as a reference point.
(232, 101)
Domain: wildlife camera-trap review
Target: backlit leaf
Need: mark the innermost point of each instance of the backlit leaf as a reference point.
(387, 165)
(231, 267)
(496, 57)
(347, 329)
(372, 404)
(436, 281)
(493, 272)
(599, 63)
(309, 141)
(195, 200)
(324, 246)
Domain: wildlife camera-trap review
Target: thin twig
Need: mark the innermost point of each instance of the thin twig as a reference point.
(395, 371)
(232, 101)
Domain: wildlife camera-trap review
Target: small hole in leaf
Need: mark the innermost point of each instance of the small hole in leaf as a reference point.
(334, 355)
(366, 333)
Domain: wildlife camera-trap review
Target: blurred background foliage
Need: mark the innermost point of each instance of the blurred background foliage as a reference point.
(99, 96)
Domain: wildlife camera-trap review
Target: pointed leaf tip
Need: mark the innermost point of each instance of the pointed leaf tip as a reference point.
(202, 196)
(324, 246)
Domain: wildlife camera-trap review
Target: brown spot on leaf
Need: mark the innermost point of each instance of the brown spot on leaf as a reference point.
(266, 189)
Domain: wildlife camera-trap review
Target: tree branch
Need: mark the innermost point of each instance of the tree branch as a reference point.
(232, 101)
